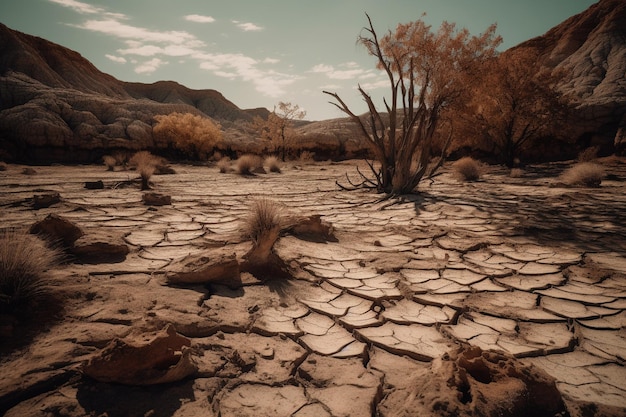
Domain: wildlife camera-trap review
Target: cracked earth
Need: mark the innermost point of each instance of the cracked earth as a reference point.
(523, 266)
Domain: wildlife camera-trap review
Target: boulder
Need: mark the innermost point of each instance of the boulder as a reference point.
(145, 360)
(57, 229)
(471, 382)
(94, 185)
(312, 228)
(45, 200)
(100, 247)
(219, 268)
(156, 199)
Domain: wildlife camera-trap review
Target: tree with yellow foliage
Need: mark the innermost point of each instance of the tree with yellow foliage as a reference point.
(192, 135)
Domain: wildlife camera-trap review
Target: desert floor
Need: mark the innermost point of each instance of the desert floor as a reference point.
(524, 266)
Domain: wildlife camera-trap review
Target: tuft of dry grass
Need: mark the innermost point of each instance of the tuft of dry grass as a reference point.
(146, 165)
(516, 173)
(273, 164)
(307, 156)
(586, 174)
(246, 164)
(24, 261)
(588, 154)
(110, 162)
(468, 169)
(264, 217)
(224, 165)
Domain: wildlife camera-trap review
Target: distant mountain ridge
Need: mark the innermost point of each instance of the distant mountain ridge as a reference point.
(57, 106)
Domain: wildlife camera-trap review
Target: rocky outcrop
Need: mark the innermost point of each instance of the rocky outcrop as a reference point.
(57, 106)
(590, 50)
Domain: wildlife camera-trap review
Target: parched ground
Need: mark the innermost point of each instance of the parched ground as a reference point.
(522, 266)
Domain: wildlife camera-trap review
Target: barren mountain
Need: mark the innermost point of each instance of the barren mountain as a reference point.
(57, 106)
(590, 48)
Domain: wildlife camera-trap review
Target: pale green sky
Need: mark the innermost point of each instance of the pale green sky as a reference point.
(257, 52)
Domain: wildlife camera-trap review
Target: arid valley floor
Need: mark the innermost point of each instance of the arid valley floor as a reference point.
(523, 266)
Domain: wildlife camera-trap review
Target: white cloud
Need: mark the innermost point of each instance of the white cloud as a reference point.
(382, 83)
(114, 58)
(247, 26)
(84, 8)
(339, 74)
(149, 67)
(271, 61)
(199, 18)
(121, 30)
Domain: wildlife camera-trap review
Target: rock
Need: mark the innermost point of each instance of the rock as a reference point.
(147, 360)
(29, 171)
(57, 229)
(45, 200)
(312, 228)
(100, 247)
(156, 199)
(164, 170)
(94, 185)
(202, 269)
(468, 381)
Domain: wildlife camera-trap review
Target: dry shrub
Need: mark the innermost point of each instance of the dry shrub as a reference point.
(193, 135)
(146, 165)
(516, 173)
(248, 163)
(588, 154)
(264, 217)
(307, 156)
(110, 162)
(272, 163)
(24, 261)
(584, 173)
(468, 169)
(224, 165)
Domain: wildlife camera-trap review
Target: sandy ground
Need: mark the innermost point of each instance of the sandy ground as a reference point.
(525, 267)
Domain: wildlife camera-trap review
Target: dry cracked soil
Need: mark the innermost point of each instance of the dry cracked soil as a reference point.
(505, 296)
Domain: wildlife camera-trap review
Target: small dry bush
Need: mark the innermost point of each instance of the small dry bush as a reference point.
(468, 169)
(193, 136)
(248, 163)
(307, 156)
(516, 173)
(110, 162)
(586, 174)
(272, 163)
(264, 217)
(224, 165)
(146, 165)
(589, 154)
(24, 261)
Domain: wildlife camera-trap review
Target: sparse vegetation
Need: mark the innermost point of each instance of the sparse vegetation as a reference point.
(585, 174)
(246, 164)
(224, 165)
(277, 128)
(516, 173)
(193, 136)
(272, 164)
(468, 169)
(588, 154)
(264, 218)
(307, 156)
(146, 165)
(110, 162)
(24, 261)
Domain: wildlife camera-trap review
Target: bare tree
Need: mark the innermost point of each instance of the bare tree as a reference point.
(428, 73)
(277, 128)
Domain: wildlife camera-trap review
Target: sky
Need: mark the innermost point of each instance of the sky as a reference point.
(258, 53)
